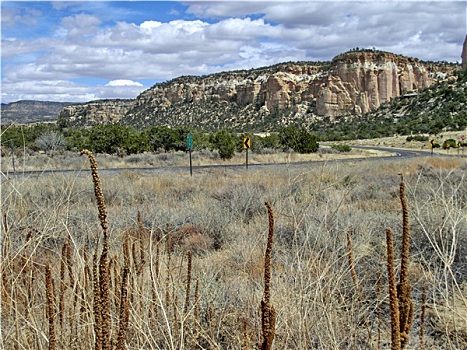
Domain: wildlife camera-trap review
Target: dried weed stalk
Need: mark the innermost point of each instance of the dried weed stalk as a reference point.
(50, 306)
(97, 306)
(401, 305)
(268, 313)
(393, 300)
(124, 314)
(104, 273)
(188, 284)
(404, 288)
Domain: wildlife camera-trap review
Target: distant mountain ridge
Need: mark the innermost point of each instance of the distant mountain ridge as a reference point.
(30, 111)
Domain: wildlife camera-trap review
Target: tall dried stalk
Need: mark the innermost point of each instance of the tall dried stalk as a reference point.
(196, 303)
(268, 313)
(61, 301)
(104, 273)
(393, 300)
(50, 306)
(97, 306)
(188, 284)
(404, 288)
(124, 313)
(142, 231)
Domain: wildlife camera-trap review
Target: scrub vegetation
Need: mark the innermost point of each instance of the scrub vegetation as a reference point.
(354, 255)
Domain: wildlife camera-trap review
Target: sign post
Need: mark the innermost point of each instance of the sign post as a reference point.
(246, 146)
(189, 145)
(463, 144)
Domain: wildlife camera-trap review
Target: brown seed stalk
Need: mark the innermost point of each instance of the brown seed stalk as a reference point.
(98, 191)
(50, 306)
(97, 307)
(61, 303)
(196, 303)
(393, 300)
(188, 284)
(268, 313)
(124, 313)
(404, 288)
(104, 273)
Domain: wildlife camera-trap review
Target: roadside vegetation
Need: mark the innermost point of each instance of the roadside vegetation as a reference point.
(126, 140)
(157, 261)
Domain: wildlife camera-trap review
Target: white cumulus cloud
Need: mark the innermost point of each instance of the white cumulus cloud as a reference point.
(123, 82)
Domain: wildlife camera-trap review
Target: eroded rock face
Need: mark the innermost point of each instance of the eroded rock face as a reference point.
(367, 79)
(353, 83)
(99, 111)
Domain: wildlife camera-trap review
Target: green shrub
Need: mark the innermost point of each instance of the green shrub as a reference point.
(341, 147)
(300, 140)
(224, 142)
(449, 143)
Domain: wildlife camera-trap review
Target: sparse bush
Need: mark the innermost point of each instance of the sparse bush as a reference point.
(341, 147)
(450, 143)
(51, 142)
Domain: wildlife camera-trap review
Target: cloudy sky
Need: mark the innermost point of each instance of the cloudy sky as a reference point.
(77, 51)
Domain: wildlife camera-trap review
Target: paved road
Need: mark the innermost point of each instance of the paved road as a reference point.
(391, 155)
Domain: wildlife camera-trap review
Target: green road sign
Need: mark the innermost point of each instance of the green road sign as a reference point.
(189, 141)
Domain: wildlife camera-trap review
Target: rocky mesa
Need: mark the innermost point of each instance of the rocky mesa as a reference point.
(268, 98)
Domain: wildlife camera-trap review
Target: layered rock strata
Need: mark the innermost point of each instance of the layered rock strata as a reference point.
(352, 84)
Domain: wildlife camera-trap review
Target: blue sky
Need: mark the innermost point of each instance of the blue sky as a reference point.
(77, 51)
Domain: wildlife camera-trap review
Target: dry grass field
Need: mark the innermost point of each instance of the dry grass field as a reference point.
(166, 260)
(33, 161)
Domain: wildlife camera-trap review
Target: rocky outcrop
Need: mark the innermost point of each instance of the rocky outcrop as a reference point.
(300, 93)
(361, 81)
(95, 112)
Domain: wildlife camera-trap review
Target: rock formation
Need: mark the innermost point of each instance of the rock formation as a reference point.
(360, 81)
(354, 83)
(95, 112)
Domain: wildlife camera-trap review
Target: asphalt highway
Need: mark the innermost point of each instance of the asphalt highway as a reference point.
(392, 153)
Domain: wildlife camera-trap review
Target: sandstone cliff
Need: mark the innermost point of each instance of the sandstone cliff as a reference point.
(95, 112)
(352, 84)
(361, 81)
